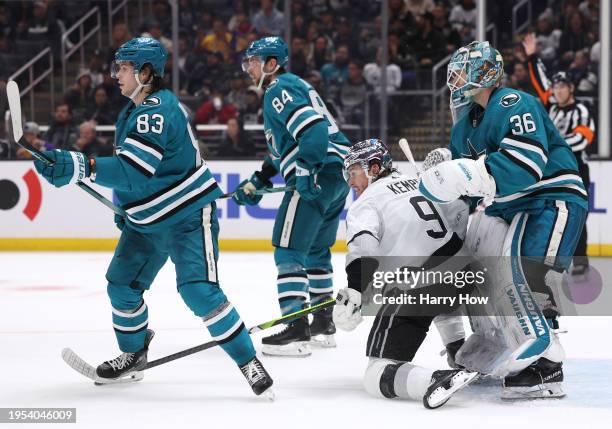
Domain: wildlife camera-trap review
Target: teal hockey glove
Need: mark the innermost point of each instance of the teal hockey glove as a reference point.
(68, 167)
(306, 181)
(244, 192)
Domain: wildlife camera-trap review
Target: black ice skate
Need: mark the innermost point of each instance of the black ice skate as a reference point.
(444, 384)
(291, 341)
(541, 379)
(451, 352)
(322, 329)
(125, 367)
(258, 378)
(580, 270)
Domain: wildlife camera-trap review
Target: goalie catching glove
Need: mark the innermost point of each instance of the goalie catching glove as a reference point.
(449, 180)
(68, 167)
(347, 311)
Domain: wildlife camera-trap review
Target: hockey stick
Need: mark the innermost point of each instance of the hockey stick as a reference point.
(405, 147)
(263, 191)
(78, 364)
(14, 100)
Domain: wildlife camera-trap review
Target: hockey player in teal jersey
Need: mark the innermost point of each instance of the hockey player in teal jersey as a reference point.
(506, 149)
(168, 194)
(307, 149)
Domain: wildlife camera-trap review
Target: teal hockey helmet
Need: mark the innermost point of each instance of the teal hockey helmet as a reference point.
(140, 51)
(471, 68)
(265, 48)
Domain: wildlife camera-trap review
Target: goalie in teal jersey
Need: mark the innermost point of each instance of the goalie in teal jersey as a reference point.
(307, 149)
(505, 148)
(168, 194)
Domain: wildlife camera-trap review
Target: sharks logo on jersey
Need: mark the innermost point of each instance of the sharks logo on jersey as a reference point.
(510, 99)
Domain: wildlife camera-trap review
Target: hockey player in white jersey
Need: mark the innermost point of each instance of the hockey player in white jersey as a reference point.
(391, 218)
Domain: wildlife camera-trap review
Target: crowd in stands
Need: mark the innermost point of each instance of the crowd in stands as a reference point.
(335, 45)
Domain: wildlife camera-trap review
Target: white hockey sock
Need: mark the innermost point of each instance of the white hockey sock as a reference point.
(411, 381)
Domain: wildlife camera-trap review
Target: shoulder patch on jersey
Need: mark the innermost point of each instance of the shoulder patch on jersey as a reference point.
(152, 101)
(510, 99)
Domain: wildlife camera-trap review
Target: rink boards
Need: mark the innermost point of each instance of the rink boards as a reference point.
(36, 216)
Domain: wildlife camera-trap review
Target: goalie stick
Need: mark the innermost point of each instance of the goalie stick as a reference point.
(14, 100)
(79, 365)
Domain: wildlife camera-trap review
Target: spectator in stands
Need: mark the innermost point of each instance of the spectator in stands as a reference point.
(320, 53)
(7, 24)
(121, 34)
(463, 19)
(97, 67)
(335, 73)
(268, 20)
(428, 44)
(581, 74)
(398, 10)
(240, 10)
(372, 74)
(519, 79)
(299, 63)
(419, 7)
(252, 112)
(220, 40)
(451, 36)
(369, 41)
(237, 143)
(101, 111)
(212, 74)
(589, 9)
(299, 27)
(5, 48)
(327, 25)
(216, 110)
(161, 14)
(205, 23)
(237, 95)
(353, 93)
(62, 132)
(80, 95)
(574, 38)
(186, 60)
(88, 141)
(188, 17)
(155, 30)
(345, 35)
(31, 132)
(548, 37)
(41, 26)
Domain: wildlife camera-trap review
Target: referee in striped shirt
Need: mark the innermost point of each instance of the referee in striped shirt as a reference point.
(573, 121)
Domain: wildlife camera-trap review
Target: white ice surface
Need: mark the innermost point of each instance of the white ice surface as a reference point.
(53, 300)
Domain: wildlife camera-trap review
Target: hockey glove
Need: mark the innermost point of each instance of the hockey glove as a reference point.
(450, 180)
(435, 157)
(244, 192)
(69, 167)
(347, 311)
(306, 181)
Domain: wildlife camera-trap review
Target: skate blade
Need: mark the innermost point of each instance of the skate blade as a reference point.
(541, 391)
(127, 378)
(323, 341)
(269, 394)
(296, 349)
(440, 395)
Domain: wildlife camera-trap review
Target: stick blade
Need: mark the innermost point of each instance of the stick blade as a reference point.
(14, 100)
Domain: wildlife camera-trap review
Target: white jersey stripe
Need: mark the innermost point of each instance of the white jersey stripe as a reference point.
(138, 161)
(142, 147)
(304, 123)
(297, 114)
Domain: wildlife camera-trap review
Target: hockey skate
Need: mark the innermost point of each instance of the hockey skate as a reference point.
(291, 341)
(444, 384)
(258, 378)
(451, 351)
(126, 367)
(322, 329)
(541, 379)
